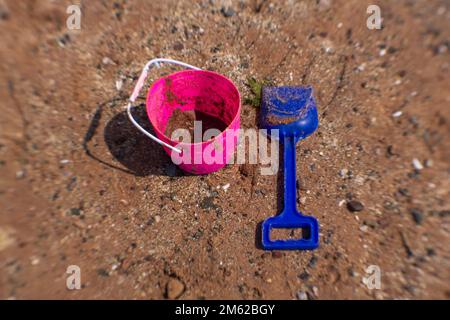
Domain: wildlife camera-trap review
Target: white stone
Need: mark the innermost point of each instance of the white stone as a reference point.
(417, 164)
(119, 84)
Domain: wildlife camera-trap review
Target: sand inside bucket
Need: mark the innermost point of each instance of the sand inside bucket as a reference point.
(185, 120)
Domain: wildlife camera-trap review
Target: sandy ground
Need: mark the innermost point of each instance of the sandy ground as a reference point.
(80, 186)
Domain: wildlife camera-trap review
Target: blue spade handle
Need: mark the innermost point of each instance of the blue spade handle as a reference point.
(290, 217)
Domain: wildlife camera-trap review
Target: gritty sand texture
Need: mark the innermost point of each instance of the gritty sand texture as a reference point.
(79, 185)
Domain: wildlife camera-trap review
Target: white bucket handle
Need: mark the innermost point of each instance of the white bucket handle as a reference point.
(137, 89)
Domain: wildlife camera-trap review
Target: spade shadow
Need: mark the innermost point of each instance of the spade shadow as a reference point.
(279, 199)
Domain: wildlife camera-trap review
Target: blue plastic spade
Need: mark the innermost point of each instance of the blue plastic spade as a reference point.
(290, 114)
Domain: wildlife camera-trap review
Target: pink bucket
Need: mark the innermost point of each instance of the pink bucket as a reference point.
(201, 91)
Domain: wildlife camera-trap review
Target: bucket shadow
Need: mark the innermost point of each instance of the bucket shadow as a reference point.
(138, 154)
(134, 150)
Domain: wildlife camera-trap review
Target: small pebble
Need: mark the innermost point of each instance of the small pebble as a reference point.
(302, 200)
(360, 180)
(174, 288)
(304, 276)
(178, 46)
(301, 295)
(417, 164)
(397, 114)
(107, 61)
(355, 206)
(20, 174)
(313, 262)
(351, 272)
(119, 84)
(4, 13)
(443, 48)
(444, 213)
(63, 40)
(102, 272)
(328, 46)
(6, 238)
(404, 192)
(227, 12)
(277, 254)
(74, 212)
(361, 67)
(417, 216)
(343, 173)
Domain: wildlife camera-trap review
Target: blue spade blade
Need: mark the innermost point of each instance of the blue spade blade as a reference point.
(290, 114)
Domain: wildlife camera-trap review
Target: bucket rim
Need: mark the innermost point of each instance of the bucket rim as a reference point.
(181, 144)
